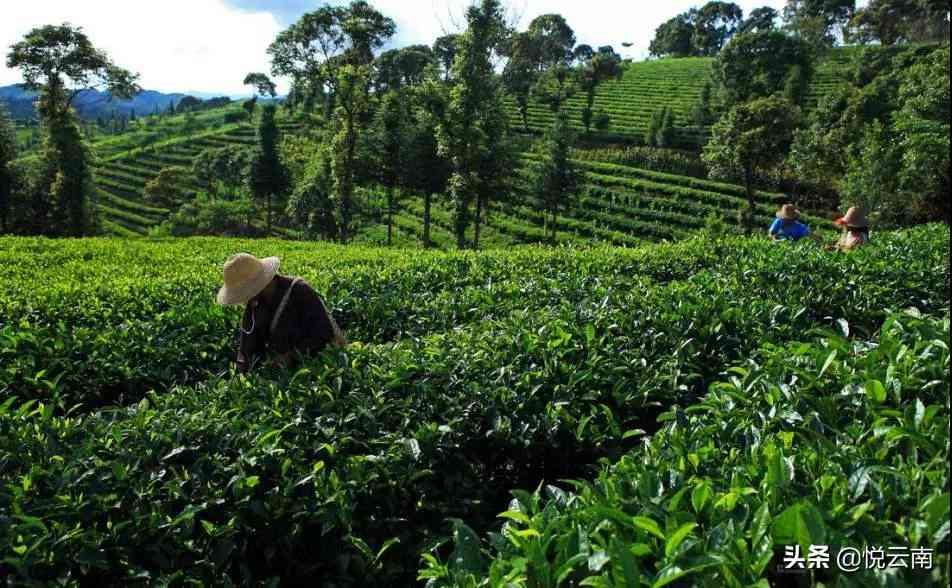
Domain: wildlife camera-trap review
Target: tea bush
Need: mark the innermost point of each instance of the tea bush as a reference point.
(471, 375)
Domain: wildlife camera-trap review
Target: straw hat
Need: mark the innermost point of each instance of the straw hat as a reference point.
(245, 277)
(788, 212)
(854, 217)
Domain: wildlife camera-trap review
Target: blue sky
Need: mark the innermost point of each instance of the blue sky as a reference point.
(209, 45)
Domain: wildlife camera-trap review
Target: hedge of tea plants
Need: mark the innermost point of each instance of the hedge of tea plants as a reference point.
(129, 453)
(833, 442)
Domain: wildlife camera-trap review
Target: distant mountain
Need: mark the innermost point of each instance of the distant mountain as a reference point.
(90, 104)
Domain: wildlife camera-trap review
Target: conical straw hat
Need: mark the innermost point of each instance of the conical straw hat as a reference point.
(854, 217)
(788, 212)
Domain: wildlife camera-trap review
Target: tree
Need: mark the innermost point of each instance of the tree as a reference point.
(444, 48)
(555, 180)
(521, 72)
(261, 84)
(432, 171)
(166, 188)
(902, 21)
(334, 45)
(8, 153)
(351, 87)
(760, 20)
(268, 177)
(756, 65)
(553, 38)
(188, 104)
(703, 112)
(391, 128)
(223, 169)
(60, 62)
(818, 22)
(582, 53)
(473, 132)
(751, 138)
(714, 25)
(403, 67)
(313, 50)
(675, 37)
(311, 203)
(249, 106)
(601, 67)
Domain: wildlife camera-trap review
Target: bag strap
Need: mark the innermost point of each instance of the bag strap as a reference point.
(281, 307)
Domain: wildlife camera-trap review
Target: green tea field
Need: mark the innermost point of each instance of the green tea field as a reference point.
(714, 399)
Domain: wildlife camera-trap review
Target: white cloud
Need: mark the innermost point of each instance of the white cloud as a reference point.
(209, 45)
(176, 45)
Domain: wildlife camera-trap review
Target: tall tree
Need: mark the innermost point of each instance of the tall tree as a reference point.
(444, 48)
(8, 152)
(902, 21)
(715, 24)
(391, 121)
(554, 40)
(555, 180)
(760, 20)
(473, 133)
(334, 46)
(751, 138)
(819, 22)
(601, 67)
(268, 178)
(432, 169)
(314, 49)
(755, 65)
(60, 62)
(261, 84)
(675, 37)
(521, 72)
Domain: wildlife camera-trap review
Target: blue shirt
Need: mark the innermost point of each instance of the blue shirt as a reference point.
(789, 230)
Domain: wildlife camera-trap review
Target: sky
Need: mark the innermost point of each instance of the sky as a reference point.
(209, 45)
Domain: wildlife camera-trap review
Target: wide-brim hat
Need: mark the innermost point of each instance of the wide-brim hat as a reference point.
(854, 217)
(245, 277)
(788, 212)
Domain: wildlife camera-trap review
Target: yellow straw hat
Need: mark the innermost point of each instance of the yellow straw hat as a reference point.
(788, 212)
(245, 277)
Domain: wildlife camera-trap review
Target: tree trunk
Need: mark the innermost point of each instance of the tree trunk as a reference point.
(427, 199)
(479, 214)
(525, 118)
(751, 205)
(269, 213)
(347, 181)
(389, 215)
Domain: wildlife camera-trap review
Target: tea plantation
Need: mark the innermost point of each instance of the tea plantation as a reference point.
(661, 414)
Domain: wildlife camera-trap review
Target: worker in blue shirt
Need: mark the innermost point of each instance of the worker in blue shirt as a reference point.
(787, 225)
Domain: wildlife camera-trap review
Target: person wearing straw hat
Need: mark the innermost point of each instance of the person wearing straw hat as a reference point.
(787, 226)
(855, 230)
(283, 315)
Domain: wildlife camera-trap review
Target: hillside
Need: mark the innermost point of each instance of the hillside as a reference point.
(630, 102)
(618, 204)
(90, 104)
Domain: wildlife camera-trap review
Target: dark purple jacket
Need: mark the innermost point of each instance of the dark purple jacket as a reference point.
(303, 326)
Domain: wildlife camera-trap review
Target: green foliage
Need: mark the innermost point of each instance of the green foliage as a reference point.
(698, 32)
(556, 180)
(8, 153)
(206, 215)
(882, 139)
(261, 84)
(712, 497)
(472, 375)
(165, 189)
(751, 138)
(902, 21)
(267, 175)
(599, 68)
(312, 204)
(473, 132)
(756, 65)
